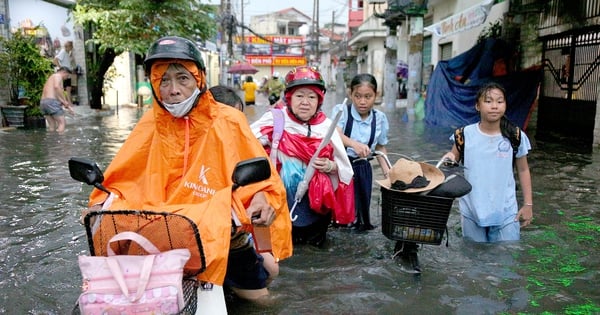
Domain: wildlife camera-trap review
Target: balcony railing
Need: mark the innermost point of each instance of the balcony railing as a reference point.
(554, 15)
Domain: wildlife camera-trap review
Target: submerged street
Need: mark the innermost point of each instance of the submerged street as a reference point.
(553, 269)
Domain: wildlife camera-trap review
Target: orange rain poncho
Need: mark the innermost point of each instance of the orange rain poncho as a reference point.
(184, 165)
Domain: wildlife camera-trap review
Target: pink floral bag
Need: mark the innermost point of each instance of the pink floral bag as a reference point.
(133, 284)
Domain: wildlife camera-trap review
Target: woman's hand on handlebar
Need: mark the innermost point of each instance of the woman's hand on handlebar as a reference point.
(260, 211)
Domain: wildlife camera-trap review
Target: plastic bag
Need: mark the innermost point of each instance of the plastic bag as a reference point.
(344, 212)
(321, 194)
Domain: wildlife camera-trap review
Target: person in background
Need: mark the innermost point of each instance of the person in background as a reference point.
(363, 130)
(249, 87)
(263, 83)
(236, 80)
(180, 157)
(490, 212)
(273, 88)
(303, 126)
(228, 96)
(53, 100)
(65, 58)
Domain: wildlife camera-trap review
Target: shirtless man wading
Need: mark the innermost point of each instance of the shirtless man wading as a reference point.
(53, 100)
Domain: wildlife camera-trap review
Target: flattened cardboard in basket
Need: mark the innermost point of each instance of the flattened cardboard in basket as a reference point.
(414, 217)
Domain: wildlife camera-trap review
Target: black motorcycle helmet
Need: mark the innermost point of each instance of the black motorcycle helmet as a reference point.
(174, 47)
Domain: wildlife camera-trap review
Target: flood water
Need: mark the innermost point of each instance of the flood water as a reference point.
(554, 269)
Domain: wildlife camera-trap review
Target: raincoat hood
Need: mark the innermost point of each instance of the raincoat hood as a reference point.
(159, 68)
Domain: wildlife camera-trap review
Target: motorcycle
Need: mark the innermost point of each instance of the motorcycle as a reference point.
(159, 225)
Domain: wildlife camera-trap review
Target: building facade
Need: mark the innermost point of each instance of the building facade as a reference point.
(560, 36)
(284, 42)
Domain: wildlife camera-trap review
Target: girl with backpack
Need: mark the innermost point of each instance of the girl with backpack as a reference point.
(490, 212)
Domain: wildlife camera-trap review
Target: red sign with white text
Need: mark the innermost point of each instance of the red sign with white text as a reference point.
(272, 45)
(262, 60)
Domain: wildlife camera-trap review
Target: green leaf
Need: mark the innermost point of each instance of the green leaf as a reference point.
(133, 25)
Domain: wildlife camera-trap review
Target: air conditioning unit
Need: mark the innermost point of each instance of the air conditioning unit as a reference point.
(377, 1)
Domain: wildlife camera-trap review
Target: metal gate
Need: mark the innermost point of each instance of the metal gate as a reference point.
(567, 103)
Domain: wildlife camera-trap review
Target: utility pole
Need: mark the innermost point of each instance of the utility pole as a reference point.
(415, 62)
(229, 30)
(331, 43)
(315, 29)
(317, 33)
(222, 56)
(226, 30)
(242, 31)
(390, 83)
(332, 25)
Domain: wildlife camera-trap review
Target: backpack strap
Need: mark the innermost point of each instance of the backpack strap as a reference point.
(513, 133)
(373, 130)
(278, 124)
(515, 141)
(459, 141)
(350, 122)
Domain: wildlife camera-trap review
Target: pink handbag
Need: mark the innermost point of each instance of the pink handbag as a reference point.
(133, 284)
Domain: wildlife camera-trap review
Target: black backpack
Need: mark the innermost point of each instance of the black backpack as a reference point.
(508, 130)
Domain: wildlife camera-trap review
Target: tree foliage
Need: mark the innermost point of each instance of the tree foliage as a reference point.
(132, 25)
(23, 67)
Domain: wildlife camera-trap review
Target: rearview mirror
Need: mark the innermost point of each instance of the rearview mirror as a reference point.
(86, 171)
(251, 171)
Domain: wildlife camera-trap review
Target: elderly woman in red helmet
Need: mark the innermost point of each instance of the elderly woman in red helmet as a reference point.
(180, 157)
(292, 135)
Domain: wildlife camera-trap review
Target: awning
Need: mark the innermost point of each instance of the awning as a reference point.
(69, 4)
(462, 21)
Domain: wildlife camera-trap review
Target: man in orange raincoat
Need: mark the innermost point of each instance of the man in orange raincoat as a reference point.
(180, 157)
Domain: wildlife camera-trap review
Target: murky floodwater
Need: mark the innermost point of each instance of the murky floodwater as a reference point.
(554, 269)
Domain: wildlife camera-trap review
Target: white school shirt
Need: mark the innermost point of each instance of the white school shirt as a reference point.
(361, 129)
(488, 161)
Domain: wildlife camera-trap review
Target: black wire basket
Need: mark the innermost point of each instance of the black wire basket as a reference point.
(414, 217)
(178, 231)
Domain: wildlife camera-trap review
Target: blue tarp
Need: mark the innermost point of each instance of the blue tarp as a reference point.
(451, 92)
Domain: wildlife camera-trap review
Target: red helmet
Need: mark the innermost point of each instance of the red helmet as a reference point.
(304, 75)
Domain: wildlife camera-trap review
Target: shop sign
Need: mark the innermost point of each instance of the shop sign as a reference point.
(467, 19)
(262, 60)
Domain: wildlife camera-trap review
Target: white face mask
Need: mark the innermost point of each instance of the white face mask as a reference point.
(182, 108)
